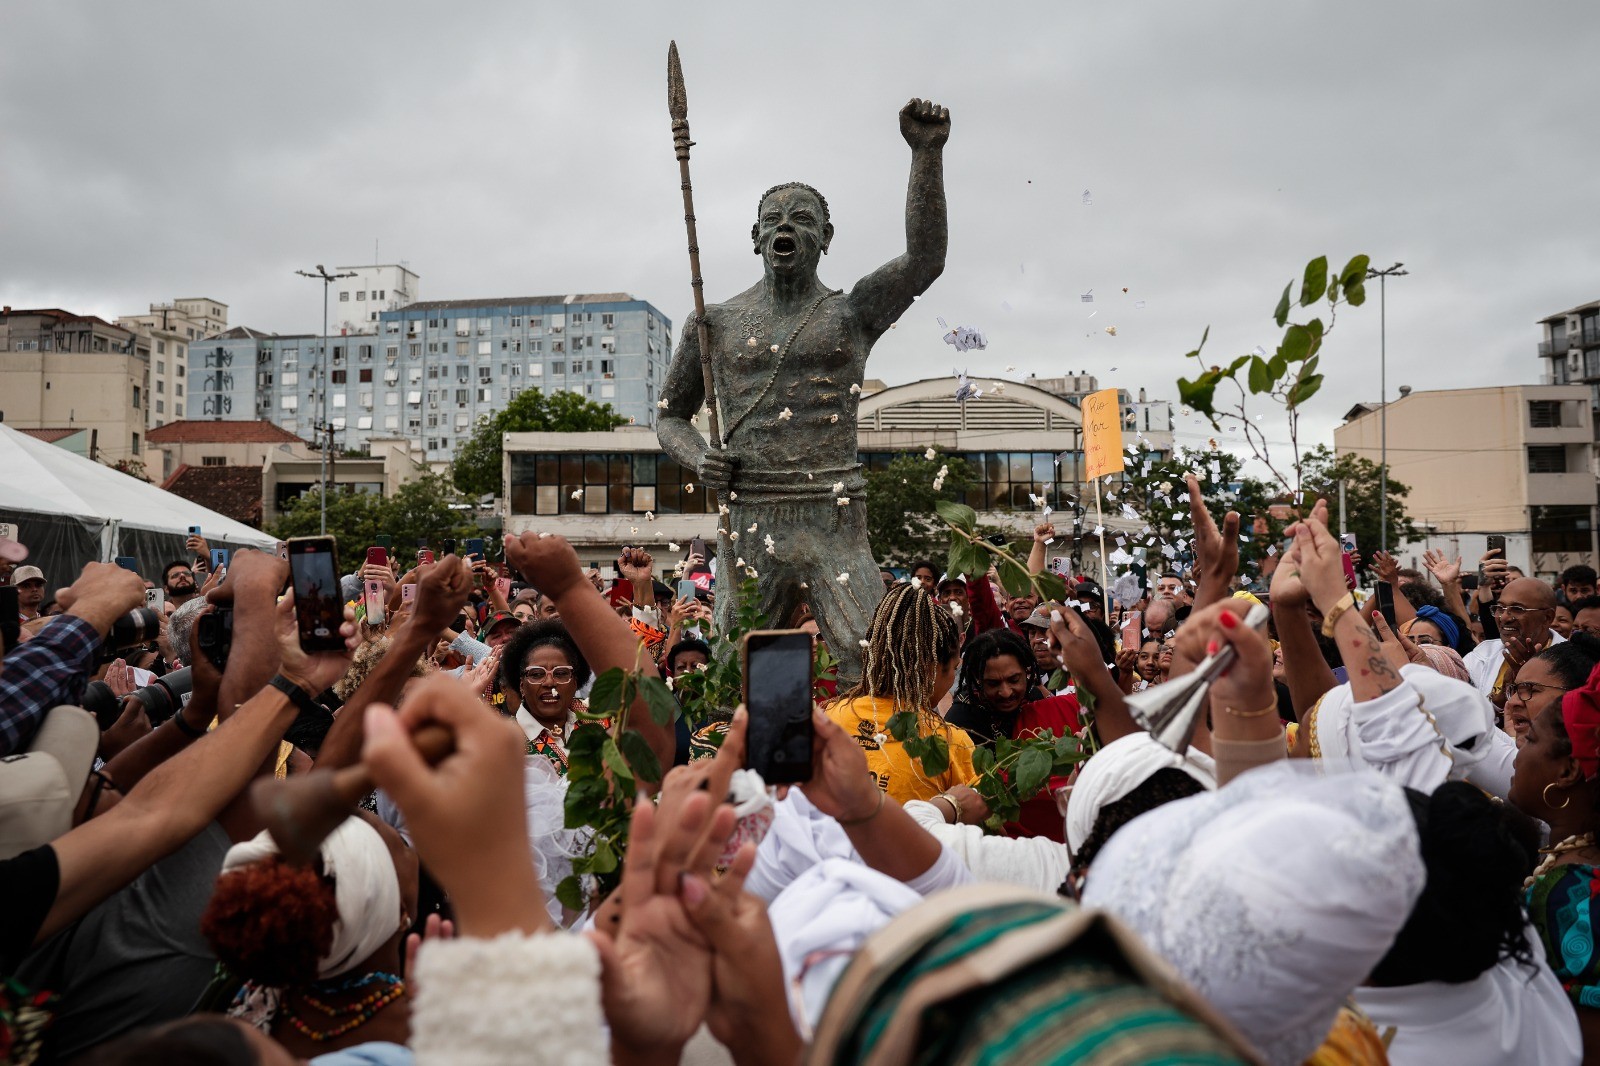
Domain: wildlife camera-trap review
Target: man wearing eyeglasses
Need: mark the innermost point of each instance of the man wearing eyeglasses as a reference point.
(1524, 611)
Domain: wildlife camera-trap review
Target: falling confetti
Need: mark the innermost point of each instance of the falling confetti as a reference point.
(785, 414)
(843, 578)
(672, 547)
(833, 418)
(1138, 305)
(752, 528)
(966, 339)
(689, 487)
(1087, 297)
(577, 494)
(1111, 330)
(649, 516)
(855, 390)
(662, 403)
(843, 501)
(1088, 200)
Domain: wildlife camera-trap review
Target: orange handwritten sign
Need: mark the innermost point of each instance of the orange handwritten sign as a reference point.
(1102, 434)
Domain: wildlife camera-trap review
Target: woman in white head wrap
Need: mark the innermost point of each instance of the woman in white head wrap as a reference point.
(319, 949)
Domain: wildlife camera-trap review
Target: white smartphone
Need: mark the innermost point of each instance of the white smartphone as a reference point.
(155, 599)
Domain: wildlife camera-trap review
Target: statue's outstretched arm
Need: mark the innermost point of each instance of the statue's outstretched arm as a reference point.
(883, 295)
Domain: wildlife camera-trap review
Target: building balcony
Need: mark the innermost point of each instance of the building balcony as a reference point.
(1552, 348)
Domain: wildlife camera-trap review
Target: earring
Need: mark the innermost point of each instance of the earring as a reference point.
(1545, 795)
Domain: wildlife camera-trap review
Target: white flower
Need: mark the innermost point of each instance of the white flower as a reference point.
(843, 501)
(752, 528)
(944, 470)
(855, 390)
(864, 642)
(734, 536)
(633, 529)
(938, 483)
(930, 454)
(662, 403)
(689, 487)
(733, 495)
(955, 609)
(785, 414)
(577, 494)
(879, 738)
(671, 547)
(668, 680)
(771, 547)
(833, 418)
(843, 578)
(739, 561)
(838, 487)
(722, 508)
(649, 516)
(751, 571)
(752, 343)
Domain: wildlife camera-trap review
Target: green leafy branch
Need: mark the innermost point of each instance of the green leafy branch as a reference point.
(1290, 376)
(1016, 770)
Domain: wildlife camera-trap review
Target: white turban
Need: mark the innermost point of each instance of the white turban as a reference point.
(1119, 768)
(1274, 896)
(365, 886)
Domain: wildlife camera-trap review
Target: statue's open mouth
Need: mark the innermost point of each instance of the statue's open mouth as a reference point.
(783, 244)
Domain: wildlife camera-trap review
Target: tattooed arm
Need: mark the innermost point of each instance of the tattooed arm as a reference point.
(1321, 571)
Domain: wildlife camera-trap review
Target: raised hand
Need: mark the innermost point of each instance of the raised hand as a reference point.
(1439, 565)
(924, 124)
(312, 671)
(1216, 552)
(1397, 647)
(841, 785)
(548, 562)
(1287, 588)
(1043, 532)
(1321, 567)
(480, 676)
(119, 678)
(1080, 651)
(442, 590)
(1387, 567)
(636, 565)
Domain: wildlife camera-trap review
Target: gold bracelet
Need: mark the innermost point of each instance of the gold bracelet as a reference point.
(1345, 603)
(863, 821)
(955, 811)
(1251, 714)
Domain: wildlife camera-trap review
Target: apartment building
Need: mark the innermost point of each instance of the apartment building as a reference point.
(168, 328)
(60, 370)
(1518, 460)
(356, 302)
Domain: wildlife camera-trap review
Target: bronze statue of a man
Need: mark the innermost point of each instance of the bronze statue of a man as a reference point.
(787, 358)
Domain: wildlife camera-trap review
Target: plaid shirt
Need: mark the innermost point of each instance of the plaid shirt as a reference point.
(45, 672)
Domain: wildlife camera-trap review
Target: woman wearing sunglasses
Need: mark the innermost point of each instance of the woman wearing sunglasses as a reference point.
(542, 665)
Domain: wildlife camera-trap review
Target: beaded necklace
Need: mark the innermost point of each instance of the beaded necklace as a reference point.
(1577, 842)
(356, 1014)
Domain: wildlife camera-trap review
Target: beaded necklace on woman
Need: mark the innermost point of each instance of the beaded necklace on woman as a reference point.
(346, 1016)
(1576, 842)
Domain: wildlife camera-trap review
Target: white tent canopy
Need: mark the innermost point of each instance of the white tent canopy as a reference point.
(42, 486)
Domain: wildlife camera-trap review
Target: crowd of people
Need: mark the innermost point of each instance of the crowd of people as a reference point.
(1379, 845)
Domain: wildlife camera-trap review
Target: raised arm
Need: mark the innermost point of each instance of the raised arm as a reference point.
(883, 295)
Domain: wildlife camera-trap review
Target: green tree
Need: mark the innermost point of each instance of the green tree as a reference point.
(477, 466)
(428, 508)
(1362, 492)
(901, 502)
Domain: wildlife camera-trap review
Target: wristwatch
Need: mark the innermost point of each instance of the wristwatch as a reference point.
(296, 694)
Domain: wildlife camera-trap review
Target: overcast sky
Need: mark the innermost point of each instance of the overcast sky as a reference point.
(159, 150)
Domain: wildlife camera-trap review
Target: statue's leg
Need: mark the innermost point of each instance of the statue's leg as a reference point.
(844, 609)
(778, 590)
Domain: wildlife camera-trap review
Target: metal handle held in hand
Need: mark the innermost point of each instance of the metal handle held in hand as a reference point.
(1171, 710)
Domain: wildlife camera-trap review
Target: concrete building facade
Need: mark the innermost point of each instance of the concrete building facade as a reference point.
(603, 491)
(1517, 460)
(354, 304)
(60, 370)
(169, 328)
(1570, 346)
(219, 443)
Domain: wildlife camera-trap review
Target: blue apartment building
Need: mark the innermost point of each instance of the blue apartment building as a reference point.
(434, 368)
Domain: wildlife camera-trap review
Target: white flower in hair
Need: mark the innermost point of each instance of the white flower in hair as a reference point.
(843, 578)
(785, 414)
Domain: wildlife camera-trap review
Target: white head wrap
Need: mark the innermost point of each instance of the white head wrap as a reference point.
(1119, 768)
(1428, 729)
(365, 886)
(1274, 896)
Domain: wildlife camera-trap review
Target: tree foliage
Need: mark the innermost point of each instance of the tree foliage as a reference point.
(477, 466)
(428, 508)
(902, 503)
(1362, 492)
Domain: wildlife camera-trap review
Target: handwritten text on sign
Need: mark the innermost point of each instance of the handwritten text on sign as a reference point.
(1102, 433)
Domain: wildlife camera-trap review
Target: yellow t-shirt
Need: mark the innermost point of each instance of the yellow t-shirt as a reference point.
(897, 773)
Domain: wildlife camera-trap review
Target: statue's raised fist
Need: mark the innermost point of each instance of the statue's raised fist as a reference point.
(924, 124)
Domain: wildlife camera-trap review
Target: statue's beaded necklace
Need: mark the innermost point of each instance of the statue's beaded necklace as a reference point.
(749, 321)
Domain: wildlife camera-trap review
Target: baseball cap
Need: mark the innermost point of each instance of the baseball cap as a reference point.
(26, 573)
(40, 787)
(496, 618)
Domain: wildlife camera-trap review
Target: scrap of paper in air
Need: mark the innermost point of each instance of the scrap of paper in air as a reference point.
(1088, 297)
(1088, 200)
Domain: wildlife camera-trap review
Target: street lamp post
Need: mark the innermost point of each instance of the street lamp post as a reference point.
(1383, 399)
(327, 279)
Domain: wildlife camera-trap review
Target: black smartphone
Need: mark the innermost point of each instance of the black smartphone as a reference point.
(697, 546)
(474, 546)
(777, 695)
(10, 618)
(447, 546)
(1469, 582)
(318, 601)
(383, 540)
(1497, 542)
(213, 632)
(1386, 603)
(128, 562)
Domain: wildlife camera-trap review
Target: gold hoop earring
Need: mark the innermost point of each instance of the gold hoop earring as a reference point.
(1545, 795)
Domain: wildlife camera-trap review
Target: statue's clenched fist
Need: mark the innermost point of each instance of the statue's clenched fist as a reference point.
(924, 124)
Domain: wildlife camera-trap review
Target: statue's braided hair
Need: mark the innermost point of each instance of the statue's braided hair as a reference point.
(911, 636)
(794, 185)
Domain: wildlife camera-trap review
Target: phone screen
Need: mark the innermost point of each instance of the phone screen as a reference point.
(219, 558)
(375, 602)
(424, 556)
(318, 606)
(777, 695)
(448, 546)
(10, 617)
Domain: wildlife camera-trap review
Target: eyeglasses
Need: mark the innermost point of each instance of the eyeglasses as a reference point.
(1514, 610)
(1524, 690)
(560, 675)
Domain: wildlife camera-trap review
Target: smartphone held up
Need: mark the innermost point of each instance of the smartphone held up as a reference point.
(777, 696)
(318, 605)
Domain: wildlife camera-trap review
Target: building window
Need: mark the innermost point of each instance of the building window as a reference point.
(558, 368)
(1559, 529)
(462, 348)
(136, 396)
(213, 460)
(608, 391)
(416, 349)
(161, 368)
(178, 389)
(608, 320)
(136, 445)
(485, 374)
(536, 370)
(605, 483)
(344, 297)
(362, 295)
(485, 347)
(161, 386)
(339, 376)
(1547, 459)
(366, 352)
(1544, 414)
(161, 407)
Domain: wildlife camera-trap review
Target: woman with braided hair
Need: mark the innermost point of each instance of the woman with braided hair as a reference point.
(908, 663)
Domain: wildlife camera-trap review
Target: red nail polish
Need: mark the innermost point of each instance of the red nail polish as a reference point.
(1211, 648)
(1228, 620)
